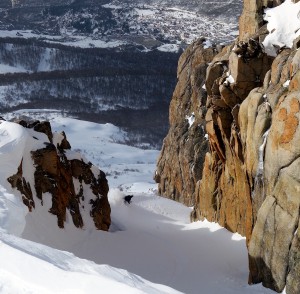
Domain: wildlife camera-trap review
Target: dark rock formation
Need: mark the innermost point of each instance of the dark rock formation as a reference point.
(249, 181)
(67, 181)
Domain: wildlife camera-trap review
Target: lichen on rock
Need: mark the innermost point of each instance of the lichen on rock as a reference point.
(248, 180)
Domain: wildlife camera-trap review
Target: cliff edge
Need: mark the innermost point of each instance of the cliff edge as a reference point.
(232, 149)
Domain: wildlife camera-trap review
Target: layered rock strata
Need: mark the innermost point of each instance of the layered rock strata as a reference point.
(74, 185)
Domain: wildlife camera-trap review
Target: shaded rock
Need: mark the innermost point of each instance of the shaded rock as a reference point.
(229, 96)
(214, 72)
(274, 231)
(180, 163)
(293, 277)
(17, 181)
(43, 127)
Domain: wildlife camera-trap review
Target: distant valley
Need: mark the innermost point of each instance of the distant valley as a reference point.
(149, 23)
(104, 61)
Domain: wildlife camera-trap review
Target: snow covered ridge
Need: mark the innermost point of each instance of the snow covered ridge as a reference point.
(283, 25)
(47, 175)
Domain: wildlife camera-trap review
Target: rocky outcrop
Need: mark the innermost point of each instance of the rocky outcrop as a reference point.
(251, 21)
(229, 77)
(250, 180)
(224, 193)
(73, 185)
(180, 163)
(274, 245)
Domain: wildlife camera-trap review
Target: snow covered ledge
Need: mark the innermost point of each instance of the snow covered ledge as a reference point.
(283, 26)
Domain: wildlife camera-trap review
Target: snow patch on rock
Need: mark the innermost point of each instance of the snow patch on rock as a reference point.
(190, 119)
(283, 25)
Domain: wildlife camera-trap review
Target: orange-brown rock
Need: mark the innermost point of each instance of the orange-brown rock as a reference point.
(250, 179)
(180, 163)
(224, 193)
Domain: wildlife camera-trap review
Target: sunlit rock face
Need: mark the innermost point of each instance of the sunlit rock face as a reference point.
(249, 179)
(224, 193)
(251, 21)
(274, 245)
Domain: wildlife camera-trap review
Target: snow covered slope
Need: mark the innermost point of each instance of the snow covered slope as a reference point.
(28, 267)
(152, 237)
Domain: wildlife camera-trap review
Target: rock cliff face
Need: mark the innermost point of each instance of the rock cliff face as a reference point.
(73, 184)
(249, 179)
(274, 246)
(251, 20)
(225, 181)
(180, 164)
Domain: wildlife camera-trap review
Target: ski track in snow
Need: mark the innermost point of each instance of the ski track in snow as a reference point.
(152, 237)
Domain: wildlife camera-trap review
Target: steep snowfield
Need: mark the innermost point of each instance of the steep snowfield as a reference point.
(151, 237)
(14, 142)
(28, 267)
(283, 25)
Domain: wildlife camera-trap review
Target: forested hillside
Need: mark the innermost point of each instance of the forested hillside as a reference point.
(122, 86)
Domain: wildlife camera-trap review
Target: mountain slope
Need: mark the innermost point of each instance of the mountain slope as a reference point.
(152, 237)
(78, 51)
(246, 98)
(28, 267)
